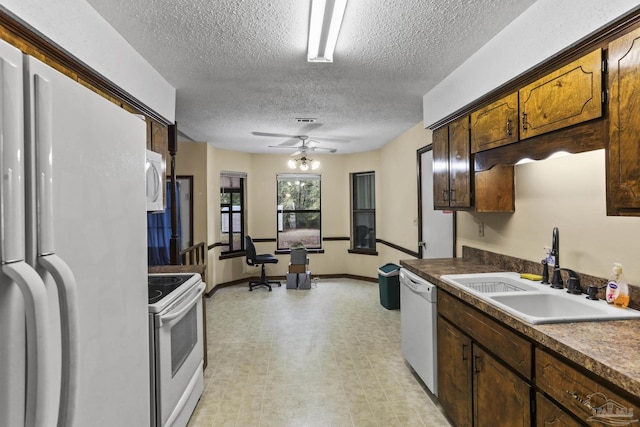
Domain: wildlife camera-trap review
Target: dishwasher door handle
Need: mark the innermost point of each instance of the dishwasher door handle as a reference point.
(417, 288)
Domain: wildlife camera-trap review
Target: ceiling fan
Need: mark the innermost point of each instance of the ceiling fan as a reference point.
(303, 142)
(303, 162)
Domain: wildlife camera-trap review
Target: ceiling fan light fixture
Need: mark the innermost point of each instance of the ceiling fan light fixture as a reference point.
(303, 163)
(324, 27)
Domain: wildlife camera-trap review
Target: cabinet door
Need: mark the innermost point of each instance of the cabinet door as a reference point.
(495, 189)
(623, 154)
(500, 397)
(454, 373)
(495, 125)
(550, 415)
(459, 164)
(441, 168)
(569, 95)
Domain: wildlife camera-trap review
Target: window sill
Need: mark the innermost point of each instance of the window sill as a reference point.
(363, 252)
(309, 251)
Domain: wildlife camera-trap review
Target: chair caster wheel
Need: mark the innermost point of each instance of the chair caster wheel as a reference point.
(269, 289)
(250, 290)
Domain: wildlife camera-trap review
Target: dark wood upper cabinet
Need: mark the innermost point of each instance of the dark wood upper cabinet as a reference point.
(623, 153)
(441, 167)
(495, 189)
(459, 164)
(570, 95)
(495, 125)
(455, 186)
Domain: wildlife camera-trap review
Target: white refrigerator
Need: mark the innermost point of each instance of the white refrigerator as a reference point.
(73, 285)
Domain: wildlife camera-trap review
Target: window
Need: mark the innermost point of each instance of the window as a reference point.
(298, 210)
(232, 211)
(363, 211)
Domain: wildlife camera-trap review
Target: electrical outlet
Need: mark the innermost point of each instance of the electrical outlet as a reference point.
(481, 229)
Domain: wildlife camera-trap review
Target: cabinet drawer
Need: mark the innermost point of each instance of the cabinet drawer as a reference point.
(504, 343)
(591, 402)
(549, 414)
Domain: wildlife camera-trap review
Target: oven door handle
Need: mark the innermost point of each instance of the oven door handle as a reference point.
(185, 307)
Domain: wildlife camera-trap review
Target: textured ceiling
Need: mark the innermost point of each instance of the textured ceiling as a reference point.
(239, 66)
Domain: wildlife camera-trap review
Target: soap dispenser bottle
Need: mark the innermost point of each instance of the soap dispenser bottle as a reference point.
(617, 288)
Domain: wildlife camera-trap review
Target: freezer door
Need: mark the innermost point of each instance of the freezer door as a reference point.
(26, 365)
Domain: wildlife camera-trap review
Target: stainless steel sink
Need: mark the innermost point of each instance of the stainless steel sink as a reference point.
(536, 303)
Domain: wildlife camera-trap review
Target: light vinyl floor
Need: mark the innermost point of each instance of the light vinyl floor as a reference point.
(328, 356)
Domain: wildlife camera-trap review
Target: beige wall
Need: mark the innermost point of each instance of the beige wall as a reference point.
(396, 206)
(568, 193)
(192, 160)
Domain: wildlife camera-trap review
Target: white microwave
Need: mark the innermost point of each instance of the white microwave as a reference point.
(155, 172)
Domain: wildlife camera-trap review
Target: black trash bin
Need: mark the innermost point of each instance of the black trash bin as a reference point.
(389, 283)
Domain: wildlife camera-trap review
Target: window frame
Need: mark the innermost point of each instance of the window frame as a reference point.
(293, 176)
(355, 211)
(242, 193)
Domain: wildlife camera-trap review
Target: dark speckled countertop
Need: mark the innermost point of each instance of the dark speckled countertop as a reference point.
(610, 349)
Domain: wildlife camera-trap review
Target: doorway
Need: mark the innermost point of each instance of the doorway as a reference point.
(436, 228)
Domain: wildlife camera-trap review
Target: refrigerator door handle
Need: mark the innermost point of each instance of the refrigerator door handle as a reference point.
(37, 323)
(44, 163)
(12, 189)
(59, 270)
(69, 325)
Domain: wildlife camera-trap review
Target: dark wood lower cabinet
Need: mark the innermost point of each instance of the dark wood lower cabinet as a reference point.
(454, 374)
(485, 378)
(500, 397)
(549, 414)
(474, 388)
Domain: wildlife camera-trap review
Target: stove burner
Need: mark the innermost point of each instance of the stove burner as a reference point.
(162, 285)
(155, 295)
(165, 280)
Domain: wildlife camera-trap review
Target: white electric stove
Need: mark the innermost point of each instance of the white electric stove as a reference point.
(176, 347)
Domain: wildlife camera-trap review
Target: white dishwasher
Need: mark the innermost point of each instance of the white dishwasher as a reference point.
(418, 327)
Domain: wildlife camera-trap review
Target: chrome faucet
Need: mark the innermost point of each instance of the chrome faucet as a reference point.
(556, 279)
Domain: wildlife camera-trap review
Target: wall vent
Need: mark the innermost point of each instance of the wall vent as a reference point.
(305, 120)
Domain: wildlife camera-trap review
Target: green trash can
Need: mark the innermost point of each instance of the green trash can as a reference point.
(389, 283)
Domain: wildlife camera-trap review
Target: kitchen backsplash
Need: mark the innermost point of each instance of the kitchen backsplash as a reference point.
(509, 263)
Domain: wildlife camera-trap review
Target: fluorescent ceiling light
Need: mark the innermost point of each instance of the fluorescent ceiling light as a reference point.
(324, 27)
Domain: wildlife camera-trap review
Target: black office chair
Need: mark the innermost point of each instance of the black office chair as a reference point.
(256, 260)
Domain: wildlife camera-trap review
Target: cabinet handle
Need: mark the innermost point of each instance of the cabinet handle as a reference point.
(476, 364)
(524, 121)
(579, 399)
(444, 196)
(509, 130)
(464, 352)
(453, 195)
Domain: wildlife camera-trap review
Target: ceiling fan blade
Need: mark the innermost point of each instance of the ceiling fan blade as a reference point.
(290, 143)
(281, 146)
(328, 150)
(298, 152)
(330, 139)
(276, 135)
